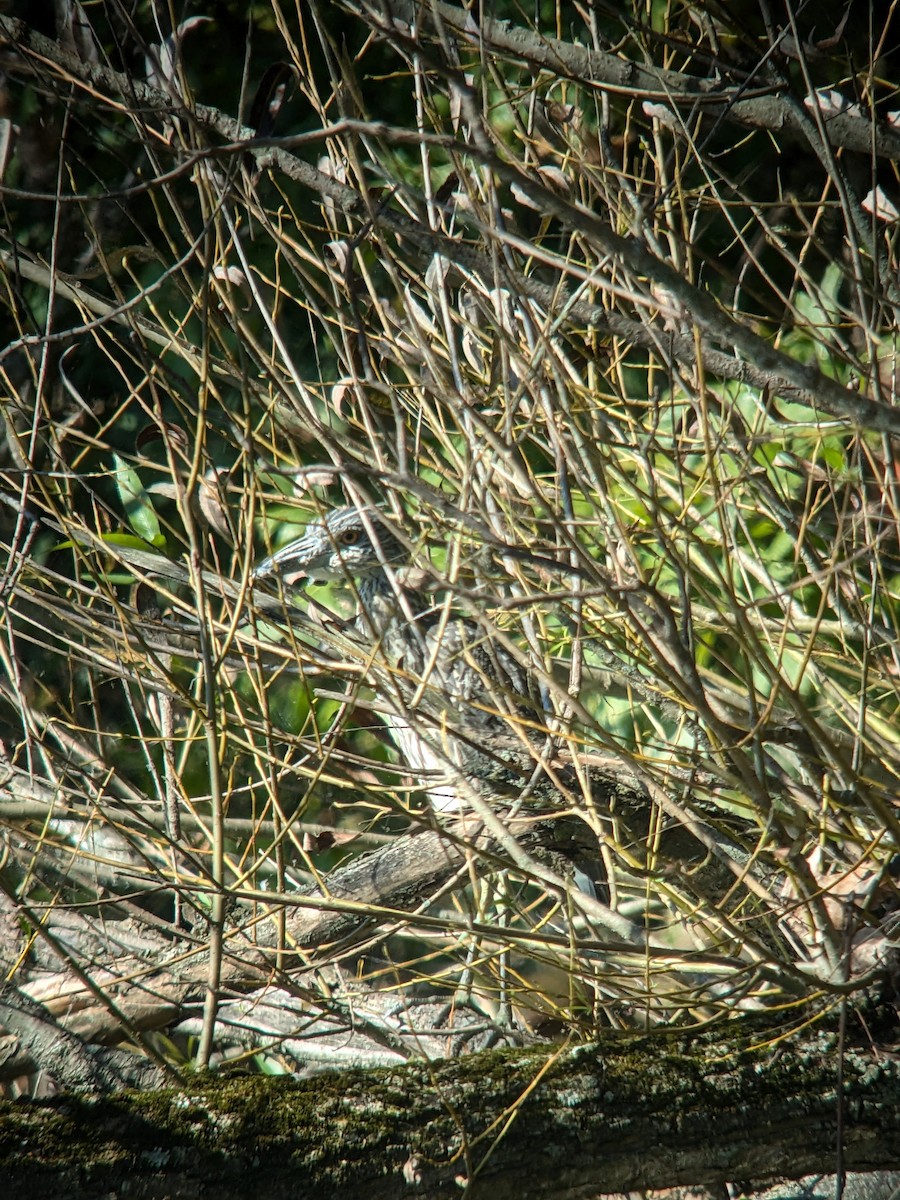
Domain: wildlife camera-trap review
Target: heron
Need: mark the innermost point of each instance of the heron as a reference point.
(460, 708)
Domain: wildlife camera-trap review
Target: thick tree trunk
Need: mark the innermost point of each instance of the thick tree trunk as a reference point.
(621, 1114)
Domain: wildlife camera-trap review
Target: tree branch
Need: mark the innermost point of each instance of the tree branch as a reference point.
(620, 1114)
(759, 364)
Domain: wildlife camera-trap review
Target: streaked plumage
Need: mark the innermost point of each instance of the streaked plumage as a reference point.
(455, 700)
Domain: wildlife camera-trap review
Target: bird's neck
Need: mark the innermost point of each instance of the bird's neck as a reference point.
(380, 605)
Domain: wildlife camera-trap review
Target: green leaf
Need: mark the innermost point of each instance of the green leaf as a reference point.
(130, 540)
(139, 510)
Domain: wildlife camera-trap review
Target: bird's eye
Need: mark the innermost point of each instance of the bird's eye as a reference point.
(349, 537)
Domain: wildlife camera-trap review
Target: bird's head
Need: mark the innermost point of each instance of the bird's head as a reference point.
(347, 543)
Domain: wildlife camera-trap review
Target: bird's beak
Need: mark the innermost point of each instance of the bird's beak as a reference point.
(293, 563)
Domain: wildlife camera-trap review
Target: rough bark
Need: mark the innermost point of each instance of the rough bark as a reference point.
(621, 1114)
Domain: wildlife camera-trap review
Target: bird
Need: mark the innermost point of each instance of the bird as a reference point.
(460, 709)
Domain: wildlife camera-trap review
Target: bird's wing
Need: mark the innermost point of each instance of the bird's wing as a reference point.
(477, 682)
